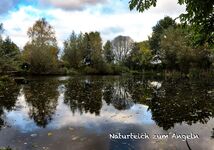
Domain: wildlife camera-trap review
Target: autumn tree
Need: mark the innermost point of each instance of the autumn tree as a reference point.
(41, 50)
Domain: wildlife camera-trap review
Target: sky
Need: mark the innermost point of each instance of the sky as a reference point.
(110, 17)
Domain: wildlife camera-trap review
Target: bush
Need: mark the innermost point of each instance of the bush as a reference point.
(5, 148)
(5, 79)
(71, 71)
(89, 70)
(119, 69)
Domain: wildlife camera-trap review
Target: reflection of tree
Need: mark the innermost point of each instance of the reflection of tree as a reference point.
(138, 89)
(84, 95)
(182, 101)
(121, 98)
(212, 136)
(8, 96)
(117, 94)
(42, 99)
(108, 92)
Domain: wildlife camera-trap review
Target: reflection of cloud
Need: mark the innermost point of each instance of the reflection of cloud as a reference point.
(19, 117)
(63, 117)
(137, 114)
(71, 4)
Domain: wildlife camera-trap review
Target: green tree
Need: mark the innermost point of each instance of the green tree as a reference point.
(177, 51)
(108, 52)
(93, 50)
(140, 56)
(41, 51)
(1, 30)
(73, 50)
(158, 30)
(9, 54)
(200, 14)
(9, 48)
(146, 53)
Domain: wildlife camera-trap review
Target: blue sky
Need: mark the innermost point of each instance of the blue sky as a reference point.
(110, 17)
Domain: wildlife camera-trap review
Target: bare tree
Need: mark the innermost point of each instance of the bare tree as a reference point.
(122, 46)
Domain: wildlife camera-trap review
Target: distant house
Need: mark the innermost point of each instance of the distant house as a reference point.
(156, 60)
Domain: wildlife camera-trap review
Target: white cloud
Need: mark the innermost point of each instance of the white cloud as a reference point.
(119, 22)
(169, 7)
(17, 23)
(71, 4)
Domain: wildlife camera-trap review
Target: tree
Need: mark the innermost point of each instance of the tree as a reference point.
(175, 50)
(1, 30)
(108, 52)
(140, 56)
(122, 46)
(9, 48)
(1, 41)
(9, 54)
(146, 54)
(158, 30)
(42, 33)
(93, 50)
(85, 53)
(178, 53)
(73, 50)
(200, 14)
(41, 51)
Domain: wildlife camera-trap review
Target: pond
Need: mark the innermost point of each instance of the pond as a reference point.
(107, 113)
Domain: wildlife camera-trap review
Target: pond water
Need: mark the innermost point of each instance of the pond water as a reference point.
(107, 113)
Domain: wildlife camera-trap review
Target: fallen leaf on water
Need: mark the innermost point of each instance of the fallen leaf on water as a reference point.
(82, 139)
(34, 145)
(71, 129)
(50, 134)
(74, 138)
(33, 135)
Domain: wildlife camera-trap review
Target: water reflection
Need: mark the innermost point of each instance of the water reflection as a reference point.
(41, 97)
(84, 96)
(98, 100)
(117, 94)
(212, 136)
(8, 97)
(180, 101)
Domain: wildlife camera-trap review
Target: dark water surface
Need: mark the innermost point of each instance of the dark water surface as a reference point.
(80, 113)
